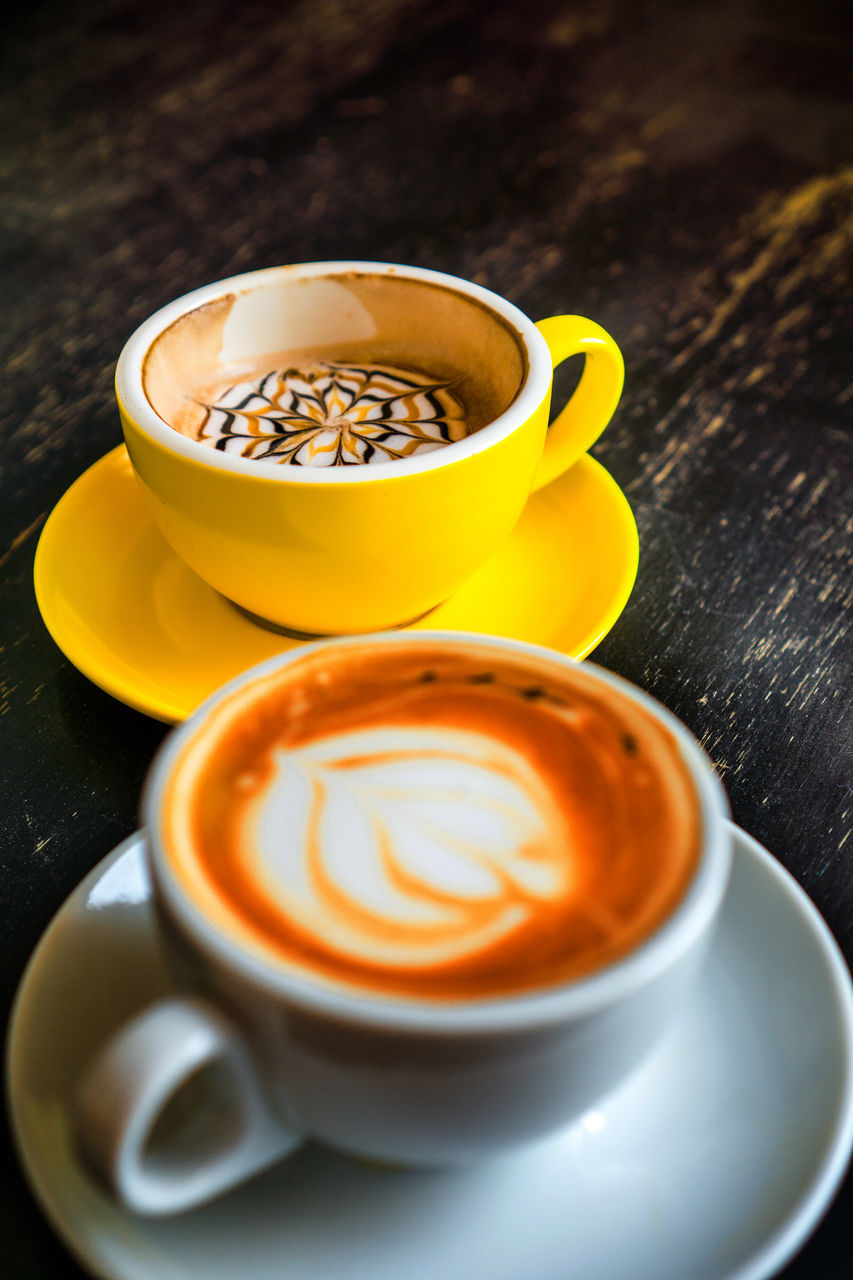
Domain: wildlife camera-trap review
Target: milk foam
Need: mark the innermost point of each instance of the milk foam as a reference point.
(328, 414)
(405, 847)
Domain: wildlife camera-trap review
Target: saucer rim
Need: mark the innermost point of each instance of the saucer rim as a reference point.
(779, 1248)
(827, 1179)
(173, 710)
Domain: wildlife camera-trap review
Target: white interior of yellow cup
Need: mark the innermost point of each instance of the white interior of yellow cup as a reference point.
(355, 316)
(451, 323)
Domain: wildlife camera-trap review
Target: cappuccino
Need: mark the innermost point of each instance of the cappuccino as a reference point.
(335, 371)
(430, 821)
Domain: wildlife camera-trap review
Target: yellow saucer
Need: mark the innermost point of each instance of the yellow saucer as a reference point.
(138, 622)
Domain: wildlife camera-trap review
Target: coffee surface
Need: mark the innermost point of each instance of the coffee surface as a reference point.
(426, 822)
(334, 370)
(323, 414)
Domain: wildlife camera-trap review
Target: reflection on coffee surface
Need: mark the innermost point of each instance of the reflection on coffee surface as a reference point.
(432, 823)
(324, 414)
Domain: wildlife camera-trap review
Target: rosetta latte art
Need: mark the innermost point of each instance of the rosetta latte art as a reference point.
(329, 414)
(404, 848)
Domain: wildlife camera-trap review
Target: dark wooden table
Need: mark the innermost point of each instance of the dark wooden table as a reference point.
(680, 172)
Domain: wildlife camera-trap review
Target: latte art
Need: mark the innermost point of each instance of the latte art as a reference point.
(328, 414)
(403, 847)
(431, 822)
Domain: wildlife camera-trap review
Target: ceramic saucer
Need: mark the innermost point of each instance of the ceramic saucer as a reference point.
(127, 611)
(715, 1160)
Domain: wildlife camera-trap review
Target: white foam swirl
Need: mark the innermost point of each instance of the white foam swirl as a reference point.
(406, 847)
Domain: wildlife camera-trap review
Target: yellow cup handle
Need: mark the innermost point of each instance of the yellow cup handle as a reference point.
(591, 407)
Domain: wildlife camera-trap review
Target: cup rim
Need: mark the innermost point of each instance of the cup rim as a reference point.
(544, 1006)
(135, 405)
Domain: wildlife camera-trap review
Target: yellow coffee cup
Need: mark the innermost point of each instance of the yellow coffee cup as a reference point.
(344, 549)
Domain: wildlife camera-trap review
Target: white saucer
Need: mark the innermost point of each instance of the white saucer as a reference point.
(715, 1160)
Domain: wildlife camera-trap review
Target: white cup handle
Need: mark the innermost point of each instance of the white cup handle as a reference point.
(170, 1112)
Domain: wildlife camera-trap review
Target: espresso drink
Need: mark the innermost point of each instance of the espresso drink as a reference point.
(335, 370)
(430, 822)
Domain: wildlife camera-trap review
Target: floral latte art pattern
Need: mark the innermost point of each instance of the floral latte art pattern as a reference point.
(325, 414)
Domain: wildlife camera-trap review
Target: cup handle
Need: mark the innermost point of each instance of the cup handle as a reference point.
(169, 1112)
(589, 410)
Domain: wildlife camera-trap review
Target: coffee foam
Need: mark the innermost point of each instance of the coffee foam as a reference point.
(422, 823)
(441, 335)
(331, 414)
(403, 847)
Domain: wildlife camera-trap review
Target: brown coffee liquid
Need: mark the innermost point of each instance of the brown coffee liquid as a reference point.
(428, 822)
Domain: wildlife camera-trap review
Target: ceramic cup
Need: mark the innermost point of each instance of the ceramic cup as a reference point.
(212, 1085)
(334, 550)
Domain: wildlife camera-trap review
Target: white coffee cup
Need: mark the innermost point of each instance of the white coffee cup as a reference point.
(200, 1092)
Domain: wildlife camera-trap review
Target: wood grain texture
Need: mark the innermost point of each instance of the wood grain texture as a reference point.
(681, 172)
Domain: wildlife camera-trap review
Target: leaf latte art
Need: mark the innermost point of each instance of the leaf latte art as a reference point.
(328, 414)
(403, 847)
(433, 821)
